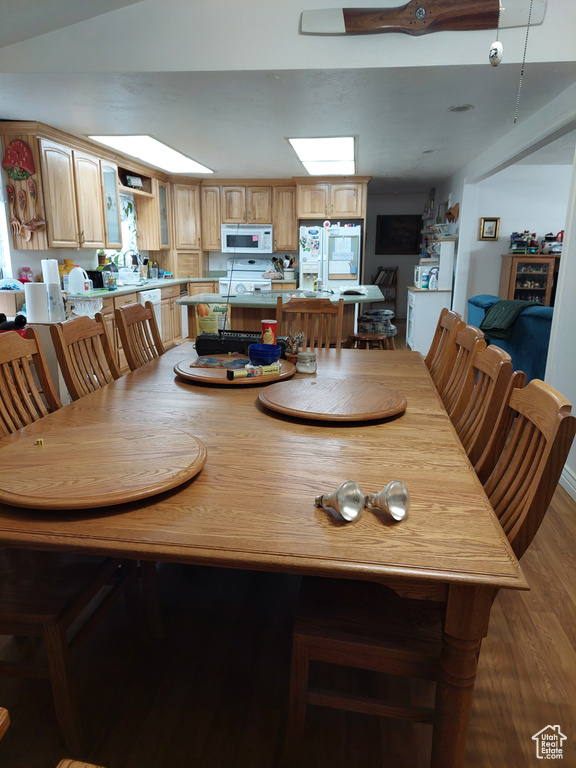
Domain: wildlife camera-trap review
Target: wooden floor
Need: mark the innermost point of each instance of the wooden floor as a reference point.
(213, 694)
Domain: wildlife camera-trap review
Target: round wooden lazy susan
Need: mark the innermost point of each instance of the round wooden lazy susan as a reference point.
(96, 465)
(334, 400)
(218, 375)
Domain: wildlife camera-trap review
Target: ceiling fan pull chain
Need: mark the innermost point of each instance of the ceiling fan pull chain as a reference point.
(523, 62)
(495, 54)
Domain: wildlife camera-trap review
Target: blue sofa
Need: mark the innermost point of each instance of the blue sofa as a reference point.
(530, 336)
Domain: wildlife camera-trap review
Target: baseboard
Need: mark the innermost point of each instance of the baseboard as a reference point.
(568, 482)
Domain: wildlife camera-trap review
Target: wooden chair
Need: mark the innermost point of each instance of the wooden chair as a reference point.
(368, 626)
(313, 317)
(42, 594)
(5, 722)
(138, 331)
(443, 350)
(84, 354)
(468, 342)
(27, 392)
(475, 412)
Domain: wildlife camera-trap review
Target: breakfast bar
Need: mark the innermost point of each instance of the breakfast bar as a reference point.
(247, 310)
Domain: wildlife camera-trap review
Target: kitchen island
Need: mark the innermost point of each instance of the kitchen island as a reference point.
(247, 310)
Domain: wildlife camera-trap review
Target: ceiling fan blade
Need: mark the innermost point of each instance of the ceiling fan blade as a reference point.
(421, 18)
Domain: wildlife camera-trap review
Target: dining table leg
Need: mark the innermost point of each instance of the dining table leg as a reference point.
(466, 624)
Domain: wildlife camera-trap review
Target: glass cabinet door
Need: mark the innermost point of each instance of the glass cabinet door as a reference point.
(533, 280)
(111, 205)
(164, 216)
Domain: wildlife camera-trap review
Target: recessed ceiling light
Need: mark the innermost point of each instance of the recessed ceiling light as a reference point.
(461, 108)
(329, 156)
(152, 151)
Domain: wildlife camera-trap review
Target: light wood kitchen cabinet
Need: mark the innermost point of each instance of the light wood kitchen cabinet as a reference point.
(211, 218)
(73, 197)
(171, 317)
(187, 217)
(233, 205)
(246, 204)
(190, 264)
(208, 286)
(284, 222)
(258, 205)
(345, 199)
(112, 228)
(153, 217)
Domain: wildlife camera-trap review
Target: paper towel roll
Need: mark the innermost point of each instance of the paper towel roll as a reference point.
(56, 313)
(50, 271)
(36, 296)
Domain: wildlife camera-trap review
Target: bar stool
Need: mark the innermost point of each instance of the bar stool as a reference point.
(371, 341)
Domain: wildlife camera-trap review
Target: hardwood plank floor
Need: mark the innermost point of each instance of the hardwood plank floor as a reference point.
(213, 694)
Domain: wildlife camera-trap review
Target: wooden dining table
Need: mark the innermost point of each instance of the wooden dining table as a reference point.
(252, 504)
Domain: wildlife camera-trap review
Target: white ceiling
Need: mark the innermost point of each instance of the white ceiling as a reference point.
(236, 120)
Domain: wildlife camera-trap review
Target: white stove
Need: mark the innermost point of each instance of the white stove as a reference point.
(245, 276)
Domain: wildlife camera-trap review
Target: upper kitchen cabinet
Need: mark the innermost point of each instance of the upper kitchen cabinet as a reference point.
(258, 205)
(187, 216)
(346, 199)
(73, 197)
(211, 218)
(113, 232)
(233, 205)
(246, 204)
(284, 223)
(153, 217)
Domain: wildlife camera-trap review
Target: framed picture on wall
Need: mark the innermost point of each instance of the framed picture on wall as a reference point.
(400, 235)
(489, 229)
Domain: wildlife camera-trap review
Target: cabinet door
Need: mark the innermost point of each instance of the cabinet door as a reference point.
(312, 200)
(284, 223)
(346, 200)
(89, 200)
(187, 217)
(233, 205)
(166, 321)
(164, 214)
(259, 205)
(59, 195)
(176, 315)
(531, 279)
(210, 286)
(113, 231)
(211, 218)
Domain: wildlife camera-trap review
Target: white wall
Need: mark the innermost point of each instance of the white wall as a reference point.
(382, 205)
(524, 197)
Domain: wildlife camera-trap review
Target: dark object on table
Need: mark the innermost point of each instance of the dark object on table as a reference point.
(231, 341)
(12, 325)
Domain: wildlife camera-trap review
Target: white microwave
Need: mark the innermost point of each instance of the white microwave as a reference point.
(246, 238)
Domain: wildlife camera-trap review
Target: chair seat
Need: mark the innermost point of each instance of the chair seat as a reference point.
(371, 341)
(365, 613)
(38, 586)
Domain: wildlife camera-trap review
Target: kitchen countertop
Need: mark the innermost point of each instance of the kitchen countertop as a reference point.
(146, 285)
(269, 298)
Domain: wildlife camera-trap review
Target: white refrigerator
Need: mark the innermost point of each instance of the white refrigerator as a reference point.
(330, 256)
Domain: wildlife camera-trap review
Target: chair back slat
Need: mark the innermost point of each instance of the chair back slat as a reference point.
(474, 415)
(442, 350)
(139, 334)
(320, 320)
(469, 341)
(84, 354)
(27, 392)
(535, 448)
